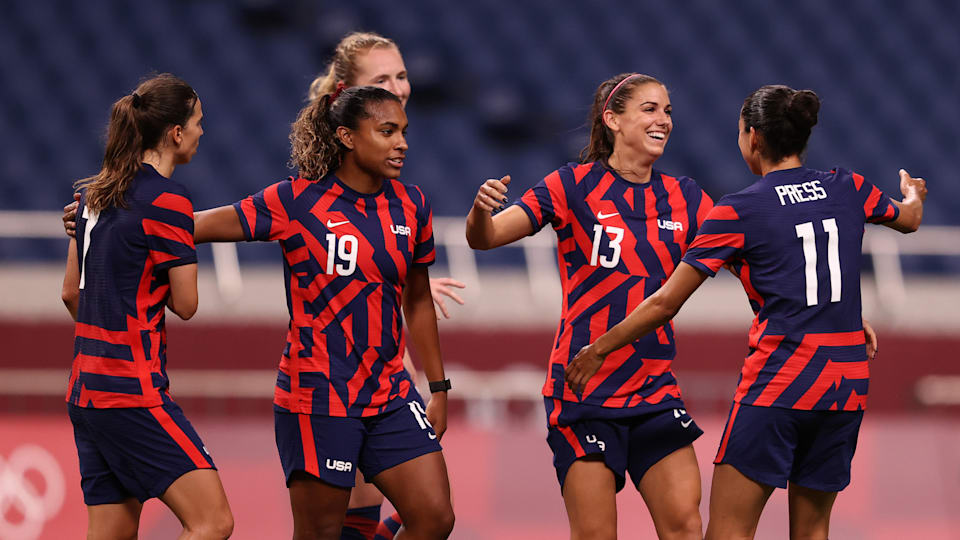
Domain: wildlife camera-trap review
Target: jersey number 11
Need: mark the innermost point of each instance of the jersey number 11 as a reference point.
(806, 233)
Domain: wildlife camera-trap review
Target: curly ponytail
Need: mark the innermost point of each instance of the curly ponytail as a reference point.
(315, 149)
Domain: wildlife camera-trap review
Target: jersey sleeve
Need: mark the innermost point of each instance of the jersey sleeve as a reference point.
(545, 202)
(720, 239)
(424, 253)
(263, 215)
(877, 206)
(168, 227)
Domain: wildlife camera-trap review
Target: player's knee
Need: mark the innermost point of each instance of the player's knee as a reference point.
(217, 526)
(683, 527)
(432, 521)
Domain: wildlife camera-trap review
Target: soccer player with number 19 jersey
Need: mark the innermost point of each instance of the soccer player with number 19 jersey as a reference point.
(356, 245)
(794, 239)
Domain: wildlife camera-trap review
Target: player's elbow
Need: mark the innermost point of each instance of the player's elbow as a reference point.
(71, 299)
(663, 308)
(478, 242)
(186, 313)
(912, 226)
(185, 308)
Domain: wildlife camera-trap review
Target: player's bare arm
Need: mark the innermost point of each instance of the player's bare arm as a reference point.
(71, 280)
(220, 224)
(911, 207)
(421, 319)
(183, 297)
(654, 312)
(486, 231)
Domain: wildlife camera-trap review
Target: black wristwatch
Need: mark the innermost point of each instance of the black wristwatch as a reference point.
(440, 386)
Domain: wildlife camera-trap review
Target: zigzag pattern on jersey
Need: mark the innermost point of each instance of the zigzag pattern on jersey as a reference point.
(343, 355)
(587, 203)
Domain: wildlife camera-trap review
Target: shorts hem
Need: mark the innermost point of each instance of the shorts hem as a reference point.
(160, 486)
(371, 472)
(756, 476)
(690, 440)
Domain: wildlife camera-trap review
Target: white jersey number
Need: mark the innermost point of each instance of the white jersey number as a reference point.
(344, 247)
(806, 233)
(598, 235)
(92, 218)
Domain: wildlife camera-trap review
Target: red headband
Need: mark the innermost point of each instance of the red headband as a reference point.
(337, 91)
(614, 91)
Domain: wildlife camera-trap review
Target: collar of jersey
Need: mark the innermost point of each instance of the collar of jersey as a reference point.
(655, 177)
(347, 189)
(795, 171)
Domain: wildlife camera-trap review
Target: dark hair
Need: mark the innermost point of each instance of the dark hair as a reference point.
(315, 149)
(783, 117)
(138, 122)
(601, 138)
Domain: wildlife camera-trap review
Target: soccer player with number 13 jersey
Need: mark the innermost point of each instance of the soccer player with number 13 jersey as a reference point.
(794, 239)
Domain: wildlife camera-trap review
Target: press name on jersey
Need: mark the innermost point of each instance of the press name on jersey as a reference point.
(798, 193)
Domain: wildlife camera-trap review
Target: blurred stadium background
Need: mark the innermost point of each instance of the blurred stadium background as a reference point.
(498, 87)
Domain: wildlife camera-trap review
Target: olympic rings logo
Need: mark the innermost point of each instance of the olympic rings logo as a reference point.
(21, 495)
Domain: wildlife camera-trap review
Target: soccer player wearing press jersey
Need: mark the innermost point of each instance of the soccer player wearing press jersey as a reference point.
(133, 258)
(794, 238)
(622, 226)
(356, 247)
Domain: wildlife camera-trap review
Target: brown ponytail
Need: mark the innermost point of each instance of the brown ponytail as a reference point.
(138, 123)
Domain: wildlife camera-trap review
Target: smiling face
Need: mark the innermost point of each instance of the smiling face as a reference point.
(383, 67)
(645, 124)
(378, 144)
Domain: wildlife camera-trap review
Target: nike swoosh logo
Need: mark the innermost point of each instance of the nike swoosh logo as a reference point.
(332, 224)
(687, 423)
(601, 215)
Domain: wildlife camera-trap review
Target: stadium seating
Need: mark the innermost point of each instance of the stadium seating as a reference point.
(499, 86)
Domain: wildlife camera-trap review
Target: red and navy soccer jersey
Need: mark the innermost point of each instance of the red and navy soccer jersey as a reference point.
(617, 242)
(120, 345)
(794, 238)
(346, 257)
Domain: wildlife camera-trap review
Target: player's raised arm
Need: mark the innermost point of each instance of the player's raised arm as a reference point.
(911, 207)
(486, 231)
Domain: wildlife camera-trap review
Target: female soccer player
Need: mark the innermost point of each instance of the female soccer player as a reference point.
(356, 248)
(621, 227)
(134, 257)
(361, 59)
(794, 238)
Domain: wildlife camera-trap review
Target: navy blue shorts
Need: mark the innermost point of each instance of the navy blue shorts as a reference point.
(633, 443)
(332, 448)
(772, 445)
(134, 452)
